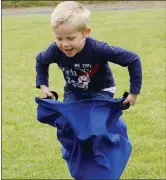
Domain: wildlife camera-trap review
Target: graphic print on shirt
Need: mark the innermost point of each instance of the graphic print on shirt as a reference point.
(83, 79)
(79, 76)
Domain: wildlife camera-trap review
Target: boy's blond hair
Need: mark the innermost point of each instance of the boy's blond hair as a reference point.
(70, 12)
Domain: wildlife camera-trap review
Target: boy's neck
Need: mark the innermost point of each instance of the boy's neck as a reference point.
(84, 43)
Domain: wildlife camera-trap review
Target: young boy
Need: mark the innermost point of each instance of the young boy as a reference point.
(83, 59)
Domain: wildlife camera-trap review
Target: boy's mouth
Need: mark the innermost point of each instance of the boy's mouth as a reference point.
(68, 51)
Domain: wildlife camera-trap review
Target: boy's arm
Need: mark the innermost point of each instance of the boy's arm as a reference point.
(43, 60)
(128, 59)
(42, 66)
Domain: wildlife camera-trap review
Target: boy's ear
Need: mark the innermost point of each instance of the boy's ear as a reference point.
(87, 32)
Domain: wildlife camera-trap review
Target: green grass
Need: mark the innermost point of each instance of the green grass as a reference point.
(21, 4)
(18, 4)
(30, 149)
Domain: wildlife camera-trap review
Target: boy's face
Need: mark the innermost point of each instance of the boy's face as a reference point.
(69, 40)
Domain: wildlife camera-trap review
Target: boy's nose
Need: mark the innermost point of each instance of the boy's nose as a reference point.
(65, 44)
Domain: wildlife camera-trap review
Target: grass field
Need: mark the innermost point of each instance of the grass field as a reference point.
(30, 150)
(21, 4)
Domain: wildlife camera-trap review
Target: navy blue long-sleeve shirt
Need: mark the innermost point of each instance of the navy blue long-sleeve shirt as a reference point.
(89, 69)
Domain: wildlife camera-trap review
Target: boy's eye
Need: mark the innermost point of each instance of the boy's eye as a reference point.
(59, 39)
(71, 38)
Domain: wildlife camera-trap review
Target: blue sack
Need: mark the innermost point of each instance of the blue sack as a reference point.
(93, 135)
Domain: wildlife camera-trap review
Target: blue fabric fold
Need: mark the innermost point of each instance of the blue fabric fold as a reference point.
(93, 135)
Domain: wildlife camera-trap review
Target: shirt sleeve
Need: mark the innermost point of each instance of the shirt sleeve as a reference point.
(128, 59)
(43, 60)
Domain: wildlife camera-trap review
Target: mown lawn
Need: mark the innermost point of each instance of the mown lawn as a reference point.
(30, 150)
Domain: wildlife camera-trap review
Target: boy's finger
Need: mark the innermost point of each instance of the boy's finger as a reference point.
(50, 94)
(126, 101)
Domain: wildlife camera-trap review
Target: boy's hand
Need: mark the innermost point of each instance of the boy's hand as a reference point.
(131, 99)
(46, 92)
